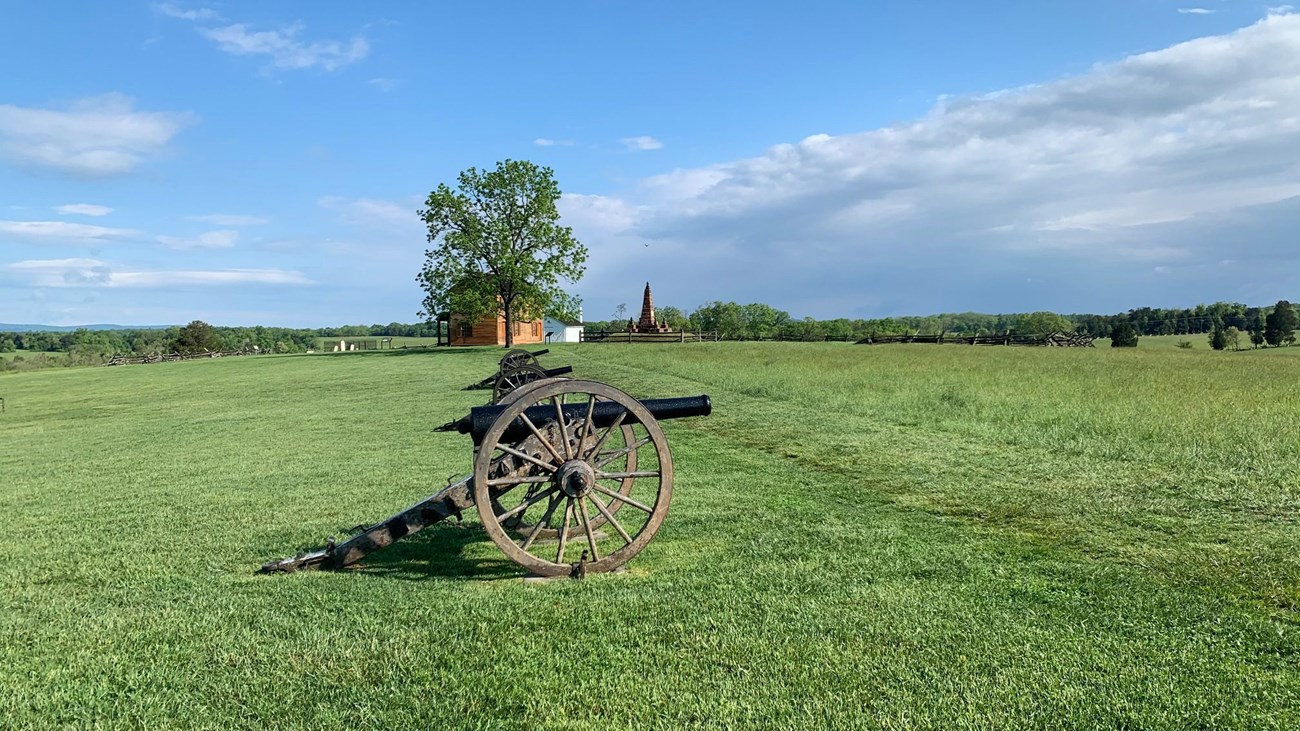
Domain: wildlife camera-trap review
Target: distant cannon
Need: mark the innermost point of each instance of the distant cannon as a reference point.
(508, 380)
(512, 360)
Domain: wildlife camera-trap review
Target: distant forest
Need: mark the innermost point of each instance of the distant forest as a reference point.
(762, 322)
(732, 321)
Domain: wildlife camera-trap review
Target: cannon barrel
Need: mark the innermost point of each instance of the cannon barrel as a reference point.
(487, 382)
(481, 417)
(536, 353)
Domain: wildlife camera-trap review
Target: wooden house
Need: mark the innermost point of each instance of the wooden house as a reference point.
(491, 330)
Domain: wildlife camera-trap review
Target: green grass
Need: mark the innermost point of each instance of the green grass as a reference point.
(397, 342)
(1199, 342)
(911, 536)
(28, 354)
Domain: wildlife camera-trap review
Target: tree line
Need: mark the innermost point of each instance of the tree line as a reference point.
(758, 321)
(92, 347)
(1226, 323)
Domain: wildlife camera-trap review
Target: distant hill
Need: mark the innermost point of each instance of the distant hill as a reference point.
(10, 328)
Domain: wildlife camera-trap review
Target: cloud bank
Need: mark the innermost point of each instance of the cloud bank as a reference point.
(1131, 183)
(284, 47)
(98, 136)
(84, 209)
(96, 273)
(62, 232)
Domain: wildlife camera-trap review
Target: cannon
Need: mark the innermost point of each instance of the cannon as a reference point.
(518, 357)
(519, 364)
(570, 477)
(509, 379)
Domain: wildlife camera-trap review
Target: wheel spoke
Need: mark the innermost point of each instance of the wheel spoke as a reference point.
(625, 475)
(545, 521)
(564, 431)
(518, 480)
(618, 421)
(528, 457)
(530, 502)
(611, 456)
(545, 442)
(564, 531)
(609, 517)
(624, 498)
(586, 421)
(586, 526)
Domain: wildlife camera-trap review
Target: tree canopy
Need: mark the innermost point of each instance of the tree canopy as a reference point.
(1281, 323)
(197, 337)
(498, 246)
(1123, 335)
(1042, 323)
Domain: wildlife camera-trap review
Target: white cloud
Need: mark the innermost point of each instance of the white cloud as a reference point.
(173, 11)
(62, 231)
(96, 273)
(371, 211)
(84, 209)
(284, 47)
(1195, 11)
(209, 240)
(383, 84)
(60, 272)
(95, 137)
(228, 219)
(548, 142)
(643, 142)
(1165, 157)
(175, 278)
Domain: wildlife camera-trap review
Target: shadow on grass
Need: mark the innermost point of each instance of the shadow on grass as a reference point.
(439, 552)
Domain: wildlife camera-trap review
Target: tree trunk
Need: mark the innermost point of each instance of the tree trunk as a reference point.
(510, 329)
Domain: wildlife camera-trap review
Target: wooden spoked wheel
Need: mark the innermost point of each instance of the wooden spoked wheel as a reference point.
(566, 495)
(510, 379)
(516, 358)
(613, 455)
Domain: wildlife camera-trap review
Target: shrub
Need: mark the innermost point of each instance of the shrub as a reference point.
(1123, 336)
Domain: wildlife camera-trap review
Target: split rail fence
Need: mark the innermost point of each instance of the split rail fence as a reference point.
(1056, 339)
(121, 359)
(623, 336)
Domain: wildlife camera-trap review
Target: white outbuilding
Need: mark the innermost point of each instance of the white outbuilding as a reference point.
(562, 331)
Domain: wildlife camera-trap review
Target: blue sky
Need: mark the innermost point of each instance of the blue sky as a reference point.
(261, 163)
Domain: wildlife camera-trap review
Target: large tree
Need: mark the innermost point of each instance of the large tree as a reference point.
(1280, 326)
(1042, 323)
(498, 245)
(196, 337)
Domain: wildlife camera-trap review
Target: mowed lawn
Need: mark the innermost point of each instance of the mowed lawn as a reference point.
(904, 536)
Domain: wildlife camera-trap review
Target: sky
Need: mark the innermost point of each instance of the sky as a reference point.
(263, 163)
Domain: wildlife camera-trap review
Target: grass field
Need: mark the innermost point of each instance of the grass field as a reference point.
(905, 536)
(396, 342)
(10, 355)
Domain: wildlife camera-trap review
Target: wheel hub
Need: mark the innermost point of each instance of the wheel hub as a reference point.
(575, 478)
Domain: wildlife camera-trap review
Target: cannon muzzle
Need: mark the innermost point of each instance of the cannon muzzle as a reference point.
(480, 418)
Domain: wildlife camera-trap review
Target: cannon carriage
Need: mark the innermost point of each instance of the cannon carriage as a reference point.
(517, 368)
(570, 477)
